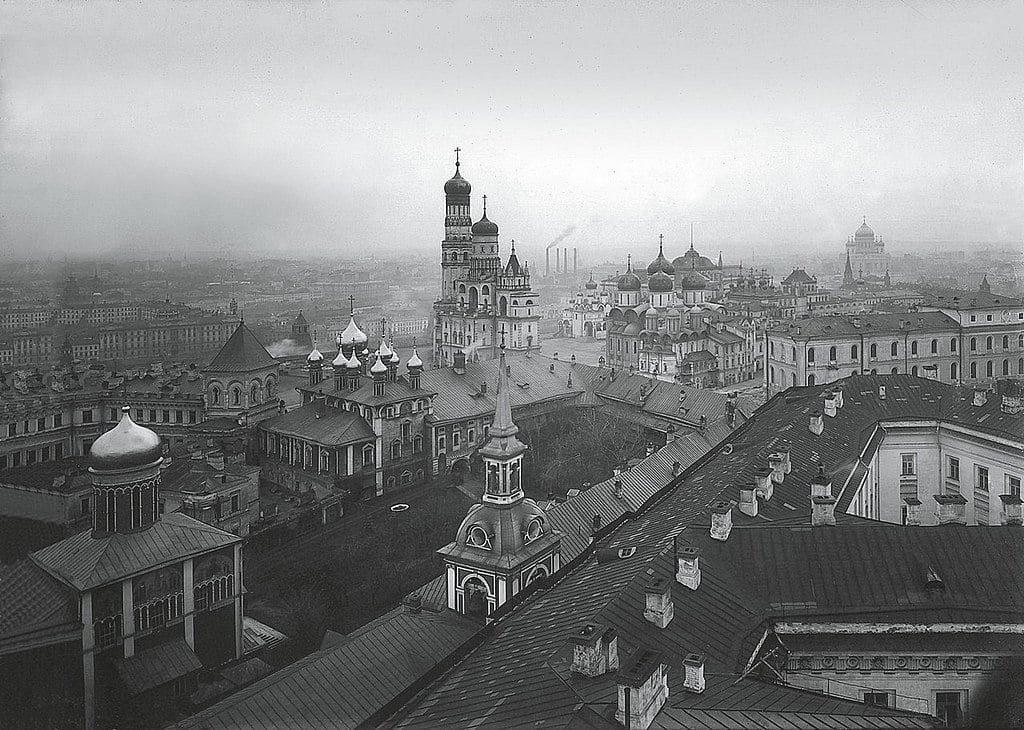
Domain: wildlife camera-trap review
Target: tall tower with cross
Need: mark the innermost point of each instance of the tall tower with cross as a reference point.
(479, 292)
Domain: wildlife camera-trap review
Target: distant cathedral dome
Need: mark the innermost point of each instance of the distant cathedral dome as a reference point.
(864, 232)
(485, 227)
(352, 334)
(126, 446)
(457, 185)
(591, 284)
(660, 282)
(693, 281)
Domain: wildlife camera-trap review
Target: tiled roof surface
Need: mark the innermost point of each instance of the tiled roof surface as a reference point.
(870, 325)
(157, 665)
(85, 562)
(31, 600)
(668, 400)
(346, 684)
(970, 300)
(65, 476)
(243, 352)
(325, 426)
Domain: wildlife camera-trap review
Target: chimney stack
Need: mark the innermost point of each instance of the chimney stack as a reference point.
(659, 608)
(595, 650)
(817, 423)
(823, 511)
(765, 484)
(820, 484)
(642, 689)
(778, 467)
(687, 565)
(459, 363)
(575, 259)
(951, 509)
(547, 262)
(1011, 514)
(693, 673)
(831, 404)
(721, 520)
(748, 500)
(565, 256)
(980, 398)
(595, 525)
(913, 511)
(216, 460)
(881, 392)
(413, 603)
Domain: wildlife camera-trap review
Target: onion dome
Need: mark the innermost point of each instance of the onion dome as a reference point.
(352, 334)
(692, 281)
(591, 284)
(365, 353)
(414, 359)
(395, 359)
(485, 227)
(457, 185)
(629, 281)
(378, 366)
(340, 361)
(353, 363)
(661, 263)
(384, 351)
(126, 446)
(660, 282)
(315, 355)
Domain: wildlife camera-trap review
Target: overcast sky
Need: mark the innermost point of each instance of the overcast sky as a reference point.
(329, 128)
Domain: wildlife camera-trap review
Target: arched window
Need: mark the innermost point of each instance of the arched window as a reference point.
(254, 394)
(894, 371)
(391, 483)
(236, 396)
(988, 369)
(771, 374)
(442, 443)
(215, 396)
(1020, 340)
(406, 429)
(810, 379)
(913, 371)
(1006, 342)
(935, 347)
(325, 462)
(792, 378)
(810, 354)
(771, 349)
(793, 353)
(1006, 367)
(832, 353)
(396, 449)
(853, 352)
(417, 444)
(368, 455)
(874, 371)
(406, 477)
(1020, 366)
(952, 344)
(974, 344)
(988, 342)
(913, 347)
(974, 369)
(894, 349)
(874, 351)
(952, 372)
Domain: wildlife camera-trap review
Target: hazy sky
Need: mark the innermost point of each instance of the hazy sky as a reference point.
(328, 128)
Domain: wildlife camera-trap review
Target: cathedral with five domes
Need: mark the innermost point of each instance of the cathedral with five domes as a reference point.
(483, 301)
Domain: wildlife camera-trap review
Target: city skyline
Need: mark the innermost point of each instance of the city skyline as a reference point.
(329, 130)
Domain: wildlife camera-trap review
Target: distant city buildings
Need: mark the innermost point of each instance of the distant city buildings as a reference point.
(865, 255)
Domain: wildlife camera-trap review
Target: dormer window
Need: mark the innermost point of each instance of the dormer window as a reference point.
(533, 530)
(478, 537)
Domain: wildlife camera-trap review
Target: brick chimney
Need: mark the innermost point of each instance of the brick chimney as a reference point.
(821, 486)
(913, 511)
(595, 525)
(658, 608)
(951, 509)
(1011, 514)
(721, 520)
(483, 388)
(642, 688)
(748, 499)
(413, 603)
(838, 393)
(816, 423)
(765, 483)
(688, 566)
(459, 363)
(980, 398)
(595, 650)
(777, 466)
(823, 511)
(831, 404)
(693, 673)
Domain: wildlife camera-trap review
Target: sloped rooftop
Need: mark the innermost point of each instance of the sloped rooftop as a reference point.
(243, 352)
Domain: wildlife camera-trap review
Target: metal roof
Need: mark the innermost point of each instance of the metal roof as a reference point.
(320, 424)
(85, 562)
(243, 352)
(31, 600)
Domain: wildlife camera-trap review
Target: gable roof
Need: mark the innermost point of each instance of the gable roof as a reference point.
(322, 425)
(85, 562)
(243, 352)
(31, 600)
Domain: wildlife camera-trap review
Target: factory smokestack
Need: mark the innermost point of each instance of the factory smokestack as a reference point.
(575, 259)
(565, 259)
(547, 262)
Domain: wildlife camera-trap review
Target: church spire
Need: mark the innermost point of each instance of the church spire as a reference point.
(848, 271)
(503, 452)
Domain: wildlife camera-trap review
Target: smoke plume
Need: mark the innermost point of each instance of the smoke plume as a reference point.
(562, 236)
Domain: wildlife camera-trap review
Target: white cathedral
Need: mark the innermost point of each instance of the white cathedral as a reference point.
(483, 301)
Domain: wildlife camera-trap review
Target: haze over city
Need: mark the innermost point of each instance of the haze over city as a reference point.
(323, 129)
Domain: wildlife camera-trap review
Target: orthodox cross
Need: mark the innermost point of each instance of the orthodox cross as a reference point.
(661, 242)
(457, 151)
(351, 304)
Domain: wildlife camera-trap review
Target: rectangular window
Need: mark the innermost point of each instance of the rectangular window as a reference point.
(909, 465)
(113, 414)
(235, 502)
(85, 505)
(179, 417)
(44, 453)
(953, 468)
(1013, 485)
(58, 451)
(880, 698)
(191, 416)
(87, 416)
(40, 424)
(58, 420)
(455, 439)
(166, 416)
(152, 415)
(949, 707)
